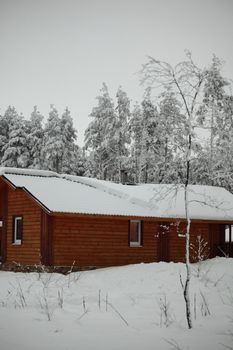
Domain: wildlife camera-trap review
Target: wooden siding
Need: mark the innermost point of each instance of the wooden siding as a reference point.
(217, 239)
(46, 239)
(100, 242)
(3, 216)
(96, 242)
(210, 233)
(28, 252)
(104, 242)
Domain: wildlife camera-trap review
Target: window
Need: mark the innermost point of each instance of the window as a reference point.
(17, 229)
(135, 233)
(228, 233)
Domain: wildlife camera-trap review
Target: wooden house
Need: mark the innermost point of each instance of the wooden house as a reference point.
(60, 220)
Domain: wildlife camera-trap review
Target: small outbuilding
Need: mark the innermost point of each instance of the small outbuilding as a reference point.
(64, 220)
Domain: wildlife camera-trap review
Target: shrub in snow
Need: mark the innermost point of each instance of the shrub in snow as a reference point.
(200, 251)
(166, 318)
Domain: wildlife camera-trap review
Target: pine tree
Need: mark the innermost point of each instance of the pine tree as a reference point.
(211, 111)
(135, 129)
(99, 136)
(5, 122)
(15, 150)
(53, 144)
(171, 139)
(150, 141)
(121, 135)
(79, 162)
(68, 137)
(223, 157)
(35, 139)
(3, 135)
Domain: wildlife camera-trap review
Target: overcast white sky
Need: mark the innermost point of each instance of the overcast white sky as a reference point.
(60, 51)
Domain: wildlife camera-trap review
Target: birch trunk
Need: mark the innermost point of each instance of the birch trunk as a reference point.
(187, 263)
(211, 146)
(187, 234)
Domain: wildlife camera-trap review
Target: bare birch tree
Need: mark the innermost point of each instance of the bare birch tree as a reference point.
(185, 79)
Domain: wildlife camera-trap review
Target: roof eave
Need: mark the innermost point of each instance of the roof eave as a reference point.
(139, 217)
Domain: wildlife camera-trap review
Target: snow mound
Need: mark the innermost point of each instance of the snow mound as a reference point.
(118, 308)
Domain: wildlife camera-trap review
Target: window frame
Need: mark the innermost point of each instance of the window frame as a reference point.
(139, 243)
(228, 237)
(17, 241)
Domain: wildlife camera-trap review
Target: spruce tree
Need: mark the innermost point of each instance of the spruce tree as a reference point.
(136, 129)
(35, 139)
(68, 137)
(211, 112)
(121, 134)
(15, 149)
(99, 136)
(223, 157)
(53, 145)
(5, 122)
(150, 142)
(171, 134)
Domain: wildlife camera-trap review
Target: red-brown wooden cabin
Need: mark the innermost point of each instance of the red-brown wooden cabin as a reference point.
(61, 220)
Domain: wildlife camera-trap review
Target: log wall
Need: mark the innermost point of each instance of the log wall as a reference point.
(177, 241)
(28, 252)
(91, 241)
(3, 218)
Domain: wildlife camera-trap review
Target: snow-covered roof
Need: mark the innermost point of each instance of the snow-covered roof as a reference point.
(75, 194)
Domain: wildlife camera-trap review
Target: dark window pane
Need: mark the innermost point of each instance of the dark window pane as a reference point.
(135, 231)
(18, 229)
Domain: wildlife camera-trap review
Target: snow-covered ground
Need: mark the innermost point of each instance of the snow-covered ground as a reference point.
(118, 308)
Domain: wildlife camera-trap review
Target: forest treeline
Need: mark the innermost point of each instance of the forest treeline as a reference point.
(141, 143)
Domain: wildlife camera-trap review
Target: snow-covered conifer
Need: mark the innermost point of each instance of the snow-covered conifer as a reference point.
(99, 136)
(171, 139)
(149, 138)
(53, 145)
(15, 149)
(35, 139)
(121, 134)
(5, 121)
(68, 137)
(136, 129)
(223, 165)
(211, 112)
